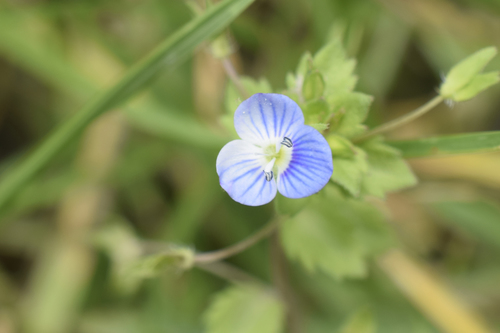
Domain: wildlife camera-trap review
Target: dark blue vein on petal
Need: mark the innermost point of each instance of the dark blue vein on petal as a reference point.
(237, 164)
(274, 119)
(263, 118)
(262, 187)
(297, 170)
(311, 166)
(287, 179)
(251, 186)
(300, 143)
(290, 124)
(282, 120)
(293, 176)
(244, 174)
(300, 137)
(309, 150)
(256, 128)
(302, 157)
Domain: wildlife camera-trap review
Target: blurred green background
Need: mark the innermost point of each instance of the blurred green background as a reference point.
(146, 170)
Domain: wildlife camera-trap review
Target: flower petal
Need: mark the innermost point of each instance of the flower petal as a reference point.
(311, 165)
(240, 166)
(265, 117)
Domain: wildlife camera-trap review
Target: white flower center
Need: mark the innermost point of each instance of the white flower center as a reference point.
(277, 157)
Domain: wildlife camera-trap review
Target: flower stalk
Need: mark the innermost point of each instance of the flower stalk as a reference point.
(403, 120)
(230, 251)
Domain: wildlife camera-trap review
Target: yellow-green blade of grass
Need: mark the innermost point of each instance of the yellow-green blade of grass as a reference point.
(169, 53)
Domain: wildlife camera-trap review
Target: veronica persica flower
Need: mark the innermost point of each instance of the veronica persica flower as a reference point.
(277, 152)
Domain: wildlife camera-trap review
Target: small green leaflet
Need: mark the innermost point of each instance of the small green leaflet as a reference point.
(465, 71)
(245, 309)
(323, 87)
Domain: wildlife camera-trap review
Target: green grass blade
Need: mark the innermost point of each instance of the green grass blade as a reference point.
(152, 118)
(167, 54)
(449, 144)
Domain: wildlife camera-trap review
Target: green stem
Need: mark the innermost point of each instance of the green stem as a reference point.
(233, 75)
(401, 120)
(238, 247)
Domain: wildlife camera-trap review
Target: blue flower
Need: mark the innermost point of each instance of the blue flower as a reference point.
(277, 152)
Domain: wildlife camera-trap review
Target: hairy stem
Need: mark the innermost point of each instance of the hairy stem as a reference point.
(229, 272)
(233, 75)
(401, 120)
(238, 247)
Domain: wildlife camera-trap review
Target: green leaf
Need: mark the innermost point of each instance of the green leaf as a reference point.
(320, 127)
(290, 207)
(479, 83)
(387, 171)
(340, 146)
(335, 235)
(313, 87)
(245, 309)
(294, 81)
(462, 73)
(337, 70)
(360, 322)
(315, 111)
(305, 65)
(449, 144)
(167, 54)
(349, 172)
(354, 109)
(130, 267)
(480, 219)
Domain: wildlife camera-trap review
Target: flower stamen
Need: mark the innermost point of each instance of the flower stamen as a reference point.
(287, 142)
(268, 170)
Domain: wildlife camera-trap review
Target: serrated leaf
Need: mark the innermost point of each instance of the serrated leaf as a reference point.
(348, 172)
(387, 171)
(462, 73)
(335, 235)
(313, 86)
(340, 146)
(360, 322)
(320, 127)
(479, 83)
(354, 108)
(245, 309)
(316, 111)
(336, 69)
